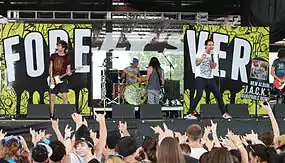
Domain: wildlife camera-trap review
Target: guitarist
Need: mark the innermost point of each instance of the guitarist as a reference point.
(133, 69)
(278, 72)
(60, 63)
(155, 78)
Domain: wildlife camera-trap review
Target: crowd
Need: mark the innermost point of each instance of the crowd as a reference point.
(82, 145)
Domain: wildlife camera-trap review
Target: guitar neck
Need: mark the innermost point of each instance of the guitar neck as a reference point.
(132, 75)
(64, 75)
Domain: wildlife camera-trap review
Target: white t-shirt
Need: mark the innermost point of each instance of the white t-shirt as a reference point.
(197, 152)
(74, 158)
(204, 70)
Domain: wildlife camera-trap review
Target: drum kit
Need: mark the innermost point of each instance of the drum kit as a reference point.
(134, 94)
(115, 91)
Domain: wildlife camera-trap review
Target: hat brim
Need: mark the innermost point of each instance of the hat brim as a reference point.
(49, 149)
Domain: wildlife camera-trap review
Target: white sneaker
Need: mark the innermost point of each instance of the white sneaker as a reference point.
(190, 116)
(227, 116)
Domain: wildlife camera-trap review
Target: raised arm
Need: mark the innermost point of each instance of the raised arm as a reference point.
(275, 127)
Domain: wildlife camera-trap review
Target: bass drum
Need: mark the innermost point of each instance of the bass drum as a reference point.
(135, 94)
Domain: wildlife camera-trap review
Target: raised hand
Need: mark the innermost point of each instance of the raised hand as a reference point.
(2, 134)
(123, 126)
(54, 124)
(100, 117)
(67, 132)
(77, 118)
(213, 126)
(157, 129)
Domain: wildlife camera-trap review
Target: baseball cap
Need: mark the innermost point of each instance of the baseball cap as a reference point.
(41, 152)
(10, 139)
(88, 140)
(279, 141)
(135, 60)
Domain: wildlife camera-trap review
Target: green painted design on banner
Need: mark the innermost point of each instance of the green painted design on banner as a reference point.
(259, 40)
(8, 97)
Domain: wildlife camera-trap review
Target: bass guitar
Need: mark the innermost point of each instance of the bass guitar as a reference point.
(278, 85)
(57, 78)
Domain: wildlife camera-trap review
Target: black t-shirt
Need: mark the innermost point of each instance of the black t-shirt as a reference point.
(3, 161)
(189, 159)
(279, 158)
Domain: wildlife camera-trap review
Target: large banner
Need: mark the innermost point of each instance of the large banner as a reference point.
(243, 62)
(26, 49)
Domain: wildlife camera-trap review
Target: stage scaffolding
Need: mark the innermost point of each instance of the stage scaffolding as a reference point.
(171, 21)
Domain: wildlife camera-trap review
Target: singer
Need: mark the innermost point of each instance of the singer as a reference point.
(206, 62)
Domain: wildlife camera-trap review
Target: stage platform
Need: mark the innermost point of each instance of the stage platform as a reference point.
(140, 127)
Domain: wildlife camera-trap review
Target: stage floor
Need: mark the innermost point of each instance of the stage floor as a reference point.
(140, 128)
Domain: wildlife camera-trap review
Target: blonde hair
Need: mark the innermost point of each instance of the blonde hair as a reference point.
(114, 159)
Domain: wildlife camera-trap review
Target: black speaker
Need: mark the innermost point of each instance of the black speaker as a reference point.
(238, 110)
(64, 111)
(38, 111)
(279, 110)
(123, 111)
(150, 111)
(210, 111)
(172, 89)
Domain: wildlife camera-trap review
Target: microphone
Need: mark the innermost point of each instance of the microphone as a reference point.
(114, 57)
(212, 57)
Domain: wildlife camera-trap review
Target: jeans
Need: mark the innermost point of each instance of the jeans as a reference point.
(153, 96)
(202, 83)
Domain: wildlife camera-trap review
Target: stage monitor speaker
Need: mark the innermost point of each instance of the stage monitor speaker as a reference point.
(279, 110)
(150, 111)
(238, 110)
(123, 111)
(210, 111)
(38, 111)
(64, 111)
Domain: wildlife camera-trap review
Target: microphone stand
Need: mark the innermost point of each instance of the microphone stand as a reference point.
(170, 64)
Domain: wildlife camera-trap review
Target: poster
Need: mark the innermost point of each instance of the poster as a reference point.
(238, 49)
(25, 48)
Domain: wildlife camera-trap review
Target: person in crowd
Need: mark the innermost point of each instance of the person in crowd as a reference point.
(126, 148)
(194, 133)
(58, 149)
(220, 155)
(169, 151)
(148, 150)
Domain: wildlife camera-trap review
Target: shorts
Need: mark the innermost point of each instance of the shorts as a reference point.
(60, 88)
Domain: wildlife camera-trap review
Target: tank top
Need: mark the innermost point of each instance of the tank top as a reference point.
(153, 81)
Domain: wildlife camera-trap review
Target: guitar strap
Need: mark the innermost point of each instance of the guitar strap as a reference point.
(158, 77)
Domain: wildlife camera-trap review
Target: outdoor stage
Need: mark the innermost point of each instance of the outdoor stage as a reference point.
(140, 128)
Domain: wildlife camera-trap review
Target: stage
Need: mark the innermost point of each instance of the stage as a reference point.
(139, 127)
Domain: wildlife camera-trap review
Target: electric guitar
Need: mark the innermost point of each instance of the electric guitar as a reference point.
(278, 85)
(133, 75)
(57, 78)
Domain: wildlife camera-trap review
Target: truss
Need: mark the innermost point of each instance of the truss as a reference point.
(175, 17)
